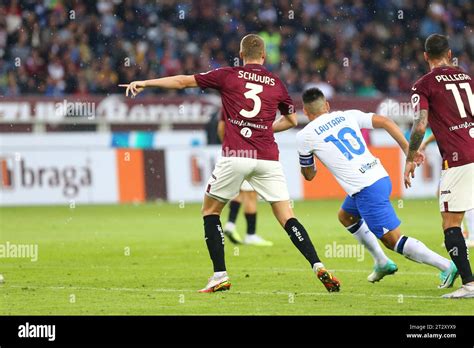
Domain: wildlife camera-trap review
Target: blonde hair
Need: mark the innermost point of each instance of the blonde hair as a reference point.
(252, 47)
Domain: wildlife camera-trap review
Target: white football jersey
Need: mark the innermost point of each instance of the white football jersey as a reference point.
(335, 138)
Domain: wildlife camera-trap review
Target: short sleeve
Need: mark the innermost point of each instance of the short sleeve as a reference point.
(305, 146)
(363, 119)
(286, 105)
(211, 79)
(419, 96)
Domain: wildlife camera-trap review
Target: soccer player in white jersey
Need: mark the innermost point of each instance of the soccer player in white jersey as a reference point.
(335, 138)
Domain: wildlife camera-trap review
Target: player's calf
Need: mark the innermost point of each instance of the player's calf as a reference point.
(415, 250)
(300, 238)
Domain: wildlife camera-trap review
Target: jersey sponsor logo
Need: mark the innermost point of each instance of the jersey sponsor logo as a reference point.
(464, 125)
(246, 132)
(366, 166)
(446, 192)
(242, 123)
(250, 76)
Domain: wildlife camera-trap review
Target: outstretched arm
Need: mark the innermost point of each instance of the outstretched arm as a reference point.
(392, 129)
(428, 141)
(285, 122)
(416, 138)
(170, 82)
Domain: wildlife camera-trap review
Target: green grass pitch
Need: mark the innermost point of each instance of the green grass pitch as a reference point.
(150, 260)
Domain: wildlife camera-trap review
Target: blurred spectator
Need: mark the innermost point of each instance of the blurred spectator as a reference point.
(353, 47)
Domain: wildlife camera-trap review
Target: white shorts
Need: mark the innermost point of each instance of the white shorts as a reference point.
(456, 189)
(246, 187)
(265, 177)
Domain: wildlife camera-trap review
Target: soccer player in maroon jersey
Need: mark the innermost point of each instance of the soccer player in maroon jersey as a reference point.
(444, 99)
(251, 97)
(248, 197)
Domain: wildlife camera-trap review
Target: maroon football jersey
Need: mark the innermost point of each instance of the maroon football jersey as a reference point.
(251, 96)
(446, 92)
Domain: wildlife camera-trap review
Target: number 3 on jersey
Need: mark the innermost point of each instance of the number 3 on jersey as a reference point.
(346, 146)
(252, 93)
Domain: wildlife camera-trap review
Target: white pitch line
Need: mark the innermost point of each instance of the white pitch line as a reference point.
(334, 270)
(263, 293)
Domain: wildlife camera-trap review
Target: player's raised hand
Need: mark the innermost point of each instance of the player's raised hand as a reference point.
(409, 173)
(133, 88)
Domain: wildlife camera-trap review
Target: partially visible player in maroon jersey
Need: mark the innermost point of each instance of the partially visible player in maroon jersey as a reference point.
(251, 97)
(444, 99)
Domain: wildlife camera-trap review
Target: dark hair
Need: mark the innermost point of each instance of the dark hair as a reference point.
(436, 45)
(312, 94)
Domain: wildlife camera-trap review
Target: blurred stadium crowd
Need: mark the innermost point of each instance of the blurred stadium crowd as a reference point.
(59, 47)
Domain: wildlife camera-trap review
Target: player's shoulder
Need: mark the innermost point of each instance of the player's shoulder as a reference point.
(306, 131)
(223, 69)
(351, 114)
(422, 81)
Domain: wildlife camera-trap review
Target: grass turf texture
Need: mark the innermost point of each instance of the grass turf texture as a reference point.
(83, 267)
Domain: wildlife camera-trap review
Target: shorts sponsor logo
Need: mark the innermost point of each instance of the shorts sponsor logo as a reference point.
(446, 192)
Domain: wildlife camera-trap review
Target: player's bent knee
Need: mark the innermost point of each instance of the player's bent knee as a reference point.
(346, 219)
(211, 206)
(390, 239)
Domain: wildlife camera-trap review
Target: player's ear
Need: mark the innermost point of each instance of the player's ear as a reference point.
(305, 111)
(241, 55)
(450, 54)
(425, 55)
(328, 107)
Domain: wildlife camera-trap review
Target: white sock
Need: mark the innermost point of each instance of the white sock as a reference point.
(220, 274)
(369, 241)
(416, 251)
(229, 226)
(317, 265)
(469, 219)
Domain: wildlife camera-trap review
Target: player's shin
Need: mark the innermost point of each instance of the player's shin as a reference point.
(457, 249)
(301, 240)
(234, 207)
(361, 232)
(251, 223)
(416, 251)
(215, 241)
